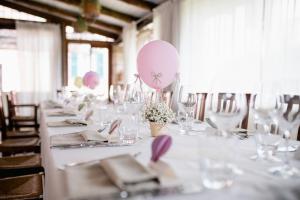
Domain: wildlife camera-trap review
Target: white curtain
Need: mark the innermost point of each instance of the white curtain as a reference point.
(129, 49)
(166, 24)
(39, 55)
(240, 45)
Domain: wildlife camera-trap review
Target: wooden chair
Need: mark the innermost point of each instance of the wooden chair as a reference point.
(292, 103)
(226, 104)
(17, 133)
(17, 121)
(22, 187)
(200, 106)
(18, 145)
(20, 165)
(167, 97)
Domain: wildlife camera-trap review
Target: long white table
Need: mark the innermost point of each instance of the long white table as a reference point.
(255, 183)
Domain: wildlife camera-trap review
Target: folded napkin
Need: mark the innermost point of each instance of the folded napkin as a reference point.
(68, 122)
(82, 137)
(52, 104)
(128, 174)
(61, 113)
(107, 178)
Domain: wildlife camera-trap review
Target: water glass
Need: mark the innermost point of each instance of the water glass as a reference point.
(216, 174)
(263, 106)
(128, 130)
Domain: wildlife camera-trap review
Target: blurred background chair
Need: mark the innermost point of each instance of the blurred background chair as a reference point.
(10, 145)
(200, 106)
(22, 187)
(16, 120)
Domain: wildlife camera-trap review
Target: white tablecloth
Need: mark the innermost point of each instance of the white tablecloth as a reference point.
(184, 156)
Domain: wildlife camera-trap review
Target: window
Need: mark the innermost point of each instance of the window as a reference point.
(84, 57)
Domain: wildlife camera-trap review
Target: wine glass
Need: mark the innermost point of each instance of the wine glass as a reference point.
(134, 100)
(226, 111)
(116, 93)
(286, 118)
(263, 106)
(186, 108)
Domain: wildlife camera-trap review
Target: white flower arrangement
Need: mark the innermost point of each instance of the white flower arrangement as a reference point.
(158, 113)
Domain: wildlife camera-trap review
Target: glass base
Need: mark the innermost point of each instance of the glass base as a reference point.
(285, 171)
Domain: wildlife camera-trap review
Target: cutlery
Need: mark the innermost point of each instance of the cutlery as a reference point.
(101, 129)
(88, 145)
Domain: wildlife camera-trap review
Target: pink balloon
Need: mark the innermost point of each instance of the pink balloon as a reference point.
(91, 79)
(157, 64)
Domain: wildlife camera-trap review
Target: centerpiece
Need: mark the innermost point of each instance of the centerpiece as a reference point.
(158, 114)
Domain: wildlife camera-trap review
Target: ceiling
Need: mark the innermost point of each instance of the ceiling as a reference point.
(115, 14)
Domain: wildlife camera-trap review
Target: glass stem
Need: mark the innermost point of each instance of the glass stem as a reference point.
(285, 153)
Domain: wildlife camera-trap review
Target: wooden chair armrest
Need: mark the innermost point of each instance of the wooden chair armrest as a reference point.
(25, 105)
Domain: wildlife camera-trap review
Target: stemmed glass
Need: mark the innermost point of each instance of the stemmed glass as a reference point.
(186, 108)
(225, 111)
(116, 94)
(134, 99)
(287, 118)
(263, 107)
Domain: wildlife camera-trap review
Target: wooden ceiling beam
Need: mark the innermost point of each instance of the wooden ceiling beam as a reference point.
(105, 11)
(117, 15)
(146, 5)
(74, 15)
(54, 17)
(7, 23)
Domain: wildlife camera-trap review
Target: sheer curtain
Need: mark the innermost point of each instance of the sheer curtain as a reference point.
(166, 24)
(240, 45)
(39, 55)
(130, 53)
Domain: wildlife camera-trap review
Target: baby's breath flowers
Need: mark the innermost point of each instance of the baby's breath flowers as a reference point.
(158, 113)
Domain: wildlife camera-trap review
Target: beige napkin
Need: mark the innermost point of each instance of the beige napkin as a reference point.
(128, 174)
(67, 122)
(108, 177)
(66, 139)
(61, 113)
(53, 104)
(81, 137)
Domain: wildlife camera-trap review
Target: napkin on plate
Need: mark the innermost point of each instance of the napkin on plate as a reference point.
(53, 104)
(77, 138)
(106, 178)
(68, 122)
(61, 113)
(82, 137)
(128, 174)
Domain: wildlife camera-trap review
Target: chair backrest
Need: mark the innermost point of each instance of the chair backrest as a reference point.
(292, 104)
(165, 96)
(11, 101)
(200, 106)
(2, 119)
(226, 104)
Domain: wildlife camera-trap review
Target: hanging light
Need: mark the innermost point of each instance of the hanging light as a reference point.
(80, 25)
(91, 8)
